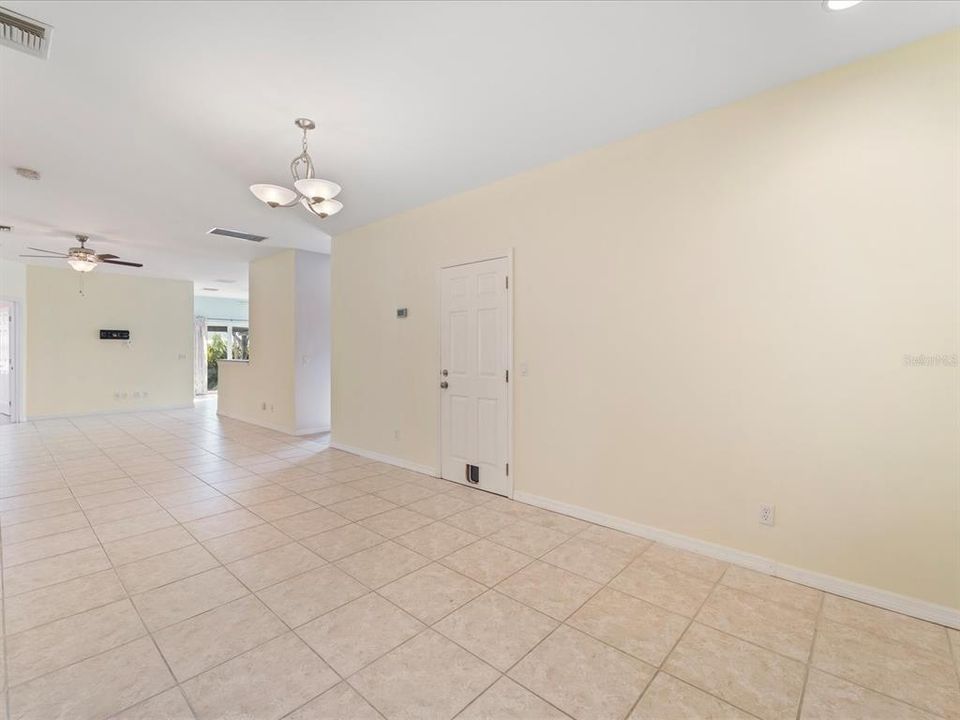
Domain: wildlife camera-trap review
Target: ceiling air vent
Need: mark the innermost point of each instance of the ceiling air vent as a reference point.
(24, 34)
(236, 234)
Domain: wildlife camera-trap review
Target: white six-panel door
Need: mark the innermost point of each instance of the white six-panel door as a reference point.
(474, 362)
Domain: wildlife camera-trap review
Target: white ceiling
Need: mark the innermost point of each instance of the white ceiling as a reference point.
(149, 120)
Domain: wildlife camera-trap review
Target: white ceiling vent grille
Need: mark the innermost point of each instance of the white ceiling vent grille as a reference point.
(236, 234)
(24, 34)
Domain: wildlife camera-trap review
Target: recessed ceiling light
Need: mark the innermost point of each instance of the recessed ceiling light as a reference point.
(838, 5)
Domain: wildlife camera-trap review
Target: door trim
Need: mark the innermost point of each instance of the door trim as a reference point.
(17, 348)
(483, 257)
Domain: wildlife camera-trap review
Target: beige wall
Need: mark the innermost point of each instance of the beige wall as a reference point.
(286, 383)
(269, 377)
(70, 371)
(714, 315)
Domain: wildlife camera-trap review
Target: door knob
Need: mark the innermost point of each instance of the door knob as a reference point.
(444, 385)
(443, 372)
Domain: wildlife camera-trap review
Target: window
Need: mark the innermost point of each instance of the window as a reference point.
(240, 343)
(225, 341)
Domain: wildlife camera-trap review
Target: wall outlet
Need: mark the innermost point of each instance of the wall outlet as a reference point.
(767, 513)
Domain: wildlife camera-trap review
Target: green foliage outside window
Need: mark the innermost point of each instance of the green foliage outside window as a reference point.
(216, 350)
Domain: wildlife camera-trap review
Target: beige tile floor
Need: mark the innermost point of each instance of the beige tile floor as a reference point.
(176, 565)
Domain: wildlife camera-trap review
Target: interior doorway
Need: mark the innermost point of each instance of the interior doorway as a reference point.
(9, 362)
(476, 353)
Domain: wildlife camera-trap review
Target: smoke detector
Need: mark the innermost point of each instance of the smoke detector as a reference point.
(24, 34)
(27, 173)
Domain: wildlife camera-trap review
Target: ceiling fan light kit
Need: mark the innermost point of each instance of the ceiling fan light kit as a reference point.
(82, 259)
(82, 263)
(315, 194)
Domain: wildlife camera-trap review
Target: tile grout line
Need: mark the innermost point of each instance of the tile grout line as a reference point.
(139, 617)
(809, 663)
(488, 588)
(689, 623)
(3, 619)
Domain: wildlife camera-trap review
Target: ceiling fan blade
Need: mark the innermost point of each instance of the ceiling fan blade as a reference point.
(47, 257)
(52, 252)
(120, 262)
(108, 256)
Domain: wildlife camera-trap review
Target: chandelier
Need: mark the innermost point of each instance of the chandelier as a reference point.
(314, 194)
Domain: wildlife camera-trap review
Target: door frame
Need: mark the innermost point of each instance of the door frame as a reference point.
(17, 347)
(503, 254)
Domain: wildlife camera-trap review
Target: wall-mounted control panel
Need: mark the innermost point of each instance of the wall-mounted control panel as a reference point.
(114, 334)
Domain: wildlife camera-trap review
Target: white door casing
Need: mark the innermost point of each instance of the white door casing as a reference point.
(6, 358)
(475, 354)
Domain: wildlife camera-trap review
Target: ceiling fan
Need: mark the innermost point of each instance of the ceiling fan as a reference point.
(81, 259)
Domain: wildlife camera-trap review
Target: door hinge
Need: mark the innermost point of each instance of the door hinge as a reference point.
(508, 376)
(508, 468)
(507, 278)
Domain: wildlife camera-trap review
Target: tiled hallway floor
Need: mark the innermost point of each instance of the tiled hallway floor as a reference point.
(176, 565)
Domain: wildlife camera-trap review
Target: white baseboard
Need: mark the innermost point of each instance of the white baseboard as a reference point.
(258, 423)
(277, 428)
(914, 607)
(100, 413)
(313, 430)
(388, 459)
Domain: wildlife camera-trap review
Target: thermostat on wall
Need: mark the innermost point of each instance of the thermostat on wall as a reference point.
(114, 334)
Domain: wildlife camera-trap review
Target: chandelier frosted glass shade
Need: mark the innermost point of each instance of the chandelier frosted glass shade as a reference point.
(315, 194)
(323, 209)
(273, 195)
(316, 189)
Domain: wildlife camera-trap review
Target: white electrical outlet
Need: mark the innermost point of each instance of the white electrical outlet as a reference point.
(767, 513)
